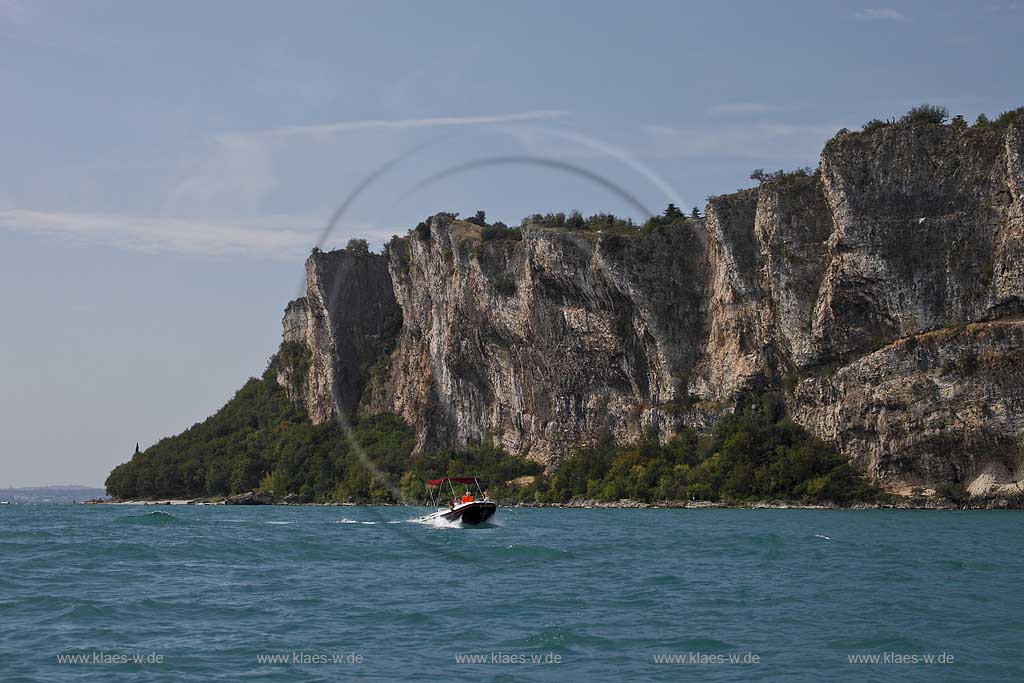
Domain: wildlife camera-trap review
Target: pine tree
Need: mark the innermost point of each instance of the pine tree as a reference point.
(358, 247)
(574, 221)
(479, 219)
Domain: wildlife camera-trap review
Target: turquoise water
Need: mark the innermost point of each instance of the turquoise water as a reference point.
(212, 590)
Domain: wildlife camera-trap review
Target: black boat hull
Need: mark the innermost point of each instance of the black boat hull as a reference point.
(471, 513)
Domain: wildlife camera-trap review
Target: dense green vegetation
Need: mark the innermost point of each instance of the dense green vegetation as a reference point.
(261, 440)
(610, 223)
(780, 177)
(929, 114)
(925, 113)
(500, 231)
(479, 219)
(756, 453)
(1002, 121)
(293, 359)
(359, 247)
(602, 223)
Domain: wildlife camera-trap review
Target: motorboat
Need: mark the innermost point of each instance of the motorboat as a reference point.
(468, 508)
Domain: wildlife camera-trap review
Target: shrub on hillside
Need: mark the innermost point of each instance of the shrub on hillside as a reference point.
(925, 113)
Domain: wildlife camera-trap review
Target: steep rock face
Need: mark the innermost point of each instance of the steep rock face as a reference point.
(937, 407)
(792, 225)
(767, 259)
(544, 344)
(735, 356)
(848, 289)
(926, 233)
(903, 231)
(294, 377)
(347, 319)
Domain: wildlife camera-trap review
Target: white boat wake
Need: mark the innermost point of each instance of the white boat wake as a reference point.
(437, 522)
(346, 520)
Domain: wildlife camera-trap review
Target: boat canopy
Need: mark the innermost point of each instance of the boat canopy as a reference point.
(454, 480)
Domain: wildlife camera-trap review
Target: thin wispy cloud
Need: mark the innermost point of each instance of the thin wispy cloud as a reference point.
(766, 144)
(244, 168)
(194, 237)
(882, 14)
(392, 124)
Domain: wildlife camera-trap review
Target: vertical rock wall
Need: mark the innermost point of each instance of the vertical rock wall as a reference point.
(882, 294)
(347, 320)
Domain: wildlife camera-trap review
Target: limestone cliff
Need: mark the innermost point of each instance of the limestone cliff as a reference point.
(346, 321)
(881, 293)
(942, 406)
(544, 343)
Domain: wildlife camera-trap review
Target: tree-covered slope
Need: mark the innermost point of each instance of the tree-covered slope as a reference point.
(756, 453)
(259, 432)
(263, 440)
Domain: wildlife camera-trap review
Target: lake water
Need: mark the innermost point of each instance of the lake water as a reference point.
(357, 593)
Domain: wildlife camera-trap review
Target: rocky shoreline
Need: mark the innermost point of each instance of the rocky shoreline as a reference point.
(896, 503)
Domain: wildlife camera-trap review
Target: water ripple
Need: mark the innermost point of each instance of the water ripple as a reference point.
(212, 588)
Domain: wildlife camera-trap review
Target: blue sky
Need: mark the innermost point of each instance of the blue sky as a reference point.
(167, 166)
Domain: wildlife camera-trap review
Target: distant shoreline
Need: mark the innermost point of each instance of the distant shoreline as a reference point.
(903, 504)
